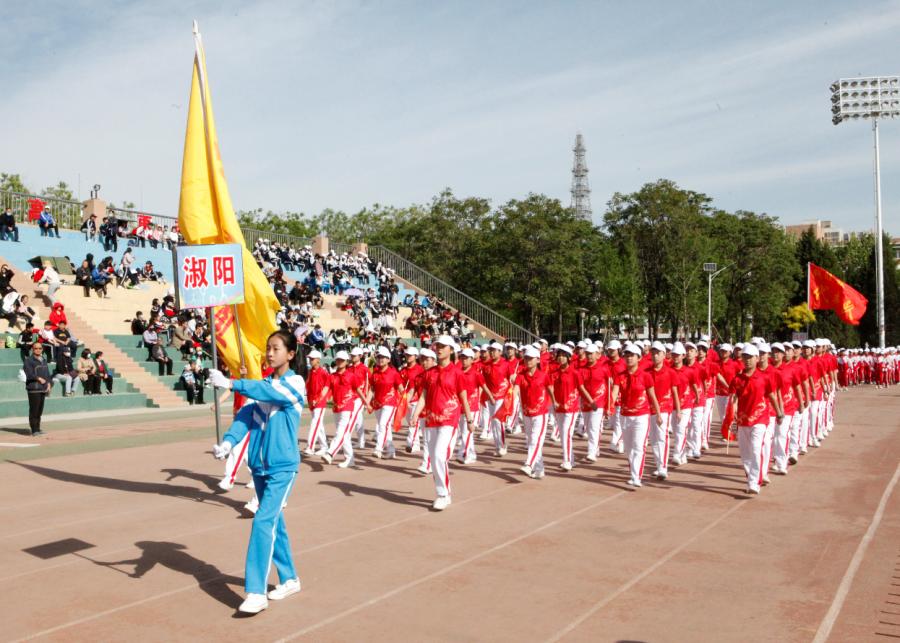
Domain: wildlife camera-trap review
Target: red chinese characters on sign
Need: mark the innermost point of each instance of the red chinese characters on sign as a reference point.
(194, 269)
(35, 206)
(224, 318)
(223, 270)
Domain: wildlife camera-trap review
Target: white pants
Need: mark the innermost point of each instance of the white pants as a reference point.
(359, 427)
(615, 425)
(343, 434)
(496, 427)
(768, 439)
(750, 441)
(384, 428)
(515, 418)
(580, 424)
(659, 442)
(782, 441)
(795, 434)
(820, 418)
(593, 422)
(813, 422)
(236, 457)
(484, 421)
(634, 433)
(412, 432)
(535, 432)
(317, 431)
(680, 424)
(438, 443)
(803, 435)
(566, 424)
(466, 441)
(695, 430)
(707, 421)
(721, 406)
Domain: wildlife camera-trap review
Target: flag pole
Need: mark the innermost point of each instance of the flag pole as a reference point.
(237, 326)
(808, 303)
(215, 359)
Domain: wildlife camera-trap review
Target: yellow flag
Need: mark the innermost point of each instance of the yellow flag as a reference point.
(205, 216)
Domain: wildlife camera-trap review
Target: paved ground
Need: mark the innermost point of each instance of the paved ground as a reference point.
(109, 543)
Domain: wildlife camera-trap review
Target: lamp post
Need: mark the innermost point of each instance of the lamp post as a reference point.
(711, 272)
(869, 98)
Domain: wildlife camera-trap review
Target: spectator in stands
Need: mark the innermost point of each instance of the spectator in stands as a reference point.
(99, 279)
(15, 306)
(193, 377)
(156, 236)
(89, 228)
(151, 336)
(109, 230)
(317, 338)
(104, 377)
(138, 326)
(87, 372)
(6, 276)
(65, 372)
(8, 227)
(47, 224)
(149, 273)
(37, 385)
(126, 271)
(158, 354)
(64, 339)
(51, 278)
(181, 336)
(26, 340)
(58, 314)
(83, 277)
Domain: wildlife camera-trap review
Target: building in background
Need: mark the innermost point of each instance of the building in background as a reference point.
(823, 231)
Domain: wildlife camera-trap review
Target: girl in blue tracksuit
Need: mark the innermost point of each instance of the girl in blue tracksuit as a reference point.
(271, 416)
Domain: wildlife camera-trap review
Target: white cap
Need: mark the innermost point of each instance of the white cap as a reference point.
(778, 346)
(797, 344)
(750, 349)
(658, 346)
(582, 344)
(510, 345)
(446, 340)
(599, 344)
(726, 347)
(531, 351)
(314, 355)
(614, 344)
(634, 349)
(427, 352)
(496, 346)
(383, 352)
(690, 345)
(678, 349)
(763, 347)
(704, 338)
(468, 352)
(669, 346)
(342, 355)
(739, 346)
(356, 351)
(592, 348)
(822, 342)
(703, 344)
(564, 349)
(570, 344)
(543, 341)
(412, 350)
(809, 343)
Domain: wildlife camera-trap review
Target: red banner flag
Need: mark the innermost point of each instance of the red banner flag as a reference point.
(827, 292)
(728, 422)
(35, 207)
(506, 408)
(400, 412)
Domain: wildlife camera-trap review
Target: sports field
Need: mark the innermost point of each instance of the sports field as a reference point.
(113, 531)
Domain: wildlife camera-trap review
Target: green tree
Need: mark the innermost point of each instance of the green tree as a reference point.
(12, 183)
(59, 191)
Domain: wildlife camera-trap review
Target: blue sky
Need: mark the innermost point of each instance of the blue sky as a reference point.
(346, 104)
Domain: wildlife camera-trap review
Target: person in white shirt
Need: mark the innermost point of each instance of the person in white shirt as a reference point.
(51, 278)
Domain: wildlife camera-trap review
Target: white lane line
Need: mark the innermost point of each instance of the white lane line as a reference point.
(185, 588)
(843, 589)
(449, 568)
(639, 577)
(17, 445)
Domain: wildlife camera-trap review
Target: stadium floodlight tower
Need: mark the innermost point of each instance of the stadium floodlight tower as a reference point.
(869, 98)
(581, 188)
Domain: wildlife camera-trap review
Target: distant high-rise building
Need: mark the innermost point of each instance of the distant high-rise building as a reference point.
(581, 188)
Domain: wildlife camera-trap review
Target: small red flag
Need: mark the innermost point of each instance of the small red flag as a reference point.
(505, 409)
(728, 421)
(400, 412)
(827, 292)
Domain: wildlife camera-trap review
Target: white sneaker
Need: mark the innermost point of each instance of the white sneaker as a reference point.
(565, 466)
(526, 469)
(620, 447)
(391, 453)
(250, 485)
(285, 589)
(225, 484)
(321, 452)
(591, 458)
(423, 470)
(253, 505)
(635, 483)
(377, 453)
(346, 464)
(538, 475)
(661, 475)
(502, 452)
(471, 460)
(254, 604)
(556, 439)
(327, 457)
(441, 503)
(415, 449)
(308, 451)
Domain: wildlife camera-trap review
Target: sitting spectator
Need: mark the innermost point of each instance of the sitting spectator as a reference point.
(65, 372)
(26, 339)
(83, 277)
(99, 279)
(6, 276)
(58, 314)
(149, 273)
(151, 336)
(138, 326)
(64, 338)
(89, 228)
(47, 224)
(104, 377)
(87, 372)
(193, 377)
(158, 354)
(181, 336)
(15, 306)
(127, 274)
(51, 278)
(8, 227)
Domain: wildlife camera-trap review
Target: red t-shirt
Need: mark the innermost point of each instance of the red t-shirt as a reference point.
(663, 383)
(317, 379)
(772, 374)
(496, 377)
(343, 390)
(682, 380)
(617, 368)
(565, 384)
(385, 387)
(596, 382)
(696, 373)
(472, 382)
(751, 392)
(710, 370)
(533, 391)
(633, 389)
(442, 387)
(362, 374)
(728, 370)
(787, 379)
(409, 374)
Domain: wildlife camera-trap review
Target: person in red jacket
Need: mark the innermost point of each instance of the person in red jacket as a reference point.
(387, 387)
(638, 400)
(749, 392)
(533, 387)
(349, 399)
(318, 392)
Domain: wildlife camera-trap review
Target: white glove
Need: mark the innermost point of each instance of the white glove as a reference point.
(221, 451)
(218, 380)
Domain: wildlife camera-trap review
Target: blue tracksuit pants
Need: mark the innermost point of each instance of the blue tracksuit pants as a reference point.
(268, 536)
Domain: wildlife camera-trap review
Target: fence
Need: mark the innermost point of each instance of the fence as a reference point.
(68, 214)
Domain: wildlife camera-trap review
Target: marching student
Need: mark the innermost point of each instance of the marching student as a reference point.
(728, 368)
(473, 382)
(443, 399)
(497, 377)
(597, 381)
(318, 388)
(695, 375)
(533, 386)
(616, 367)
(566, 392)
(358, 366)
(348, 401)
(710, 371)
(766, 368)
(666, 391)
(638, 400)
(387, 387)
(274, 460)
(429, 359)
(787, 431)
(409, 374)
(681, 421)
(749, 391)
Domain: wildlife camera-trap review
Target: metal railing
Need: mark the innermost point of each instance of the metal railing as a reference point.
(68, 215)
